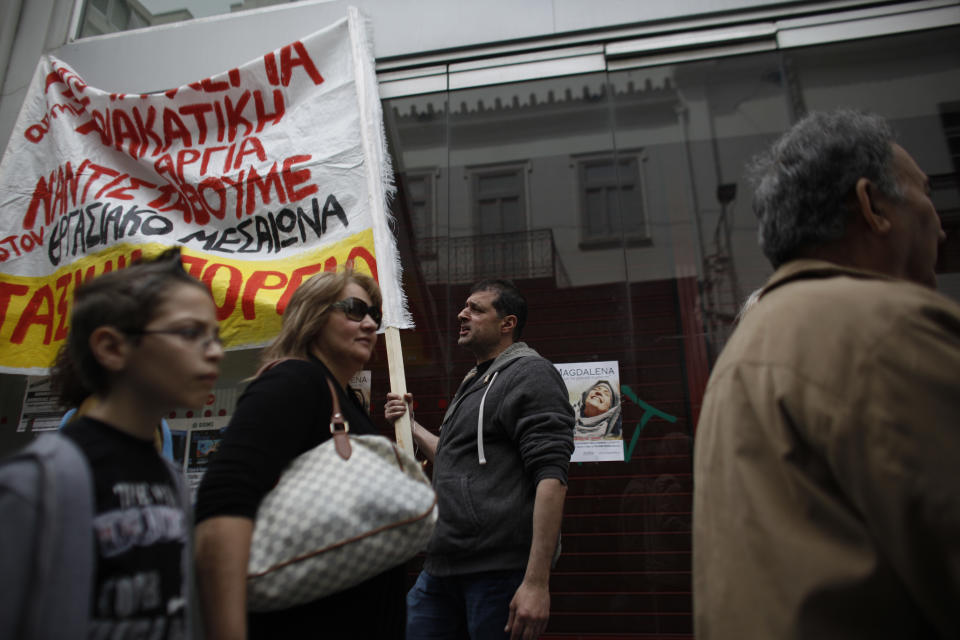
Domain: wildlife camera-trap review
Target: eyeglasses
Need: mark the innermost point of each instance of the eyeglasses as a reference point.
(356, 309)
(200, 337)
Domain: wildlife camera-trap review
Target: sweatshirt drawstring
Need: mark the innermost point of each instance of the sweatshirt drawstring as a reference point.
(480, 456)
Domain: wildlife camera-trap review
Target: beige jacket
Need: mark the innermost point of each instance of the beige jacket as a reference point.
(827, 464)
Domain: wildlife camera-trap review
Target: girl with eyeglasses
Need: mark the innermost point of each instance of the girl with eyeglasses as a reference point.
(329, 332)
(102, 546)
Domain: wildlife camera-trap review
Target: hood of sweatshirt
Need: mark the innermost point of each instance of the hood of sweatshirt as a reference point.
(507, 356)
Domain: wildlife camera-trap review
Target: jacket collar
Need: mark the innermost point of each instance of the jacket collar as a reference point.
(511, 353)
(514, 352)
(806, 269)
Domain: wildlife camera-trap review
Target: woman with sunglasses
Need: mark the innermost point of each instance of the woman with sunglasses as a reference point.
(329, 332)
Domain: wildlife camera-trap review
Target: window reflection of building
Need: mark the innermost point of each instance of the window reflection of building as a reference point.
(913, 80)
(611, 201)
(945, 194)
(945, 190)
(950, 118)
(255, 4)
(421, 197)
(498, 198)
(109, 16)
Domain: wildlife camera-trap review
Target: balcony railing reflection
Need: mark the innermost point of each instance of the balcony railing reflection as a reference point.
(515, 256)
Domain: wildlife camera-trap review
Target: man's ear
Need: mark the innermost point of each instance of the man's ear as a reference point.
(508, 324)
(110, 347)
(869, 207)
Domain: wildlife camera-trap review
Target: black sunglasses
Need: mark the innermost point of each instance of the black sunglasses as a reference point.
(356, 309)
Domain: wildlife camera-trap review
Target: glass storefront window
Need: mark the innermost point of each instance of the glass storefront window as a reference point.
(528, 183)
(619, 203)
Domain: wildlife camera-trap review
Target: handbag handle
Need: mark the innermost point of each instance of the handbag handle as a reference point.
(339, 427)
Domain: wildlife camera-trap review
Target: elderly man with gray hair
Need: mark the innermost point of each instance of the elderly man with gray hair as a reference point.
(827, 497)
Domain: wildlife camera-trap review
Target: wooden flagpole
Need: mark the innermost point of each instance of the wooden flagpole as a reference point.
(403, 427)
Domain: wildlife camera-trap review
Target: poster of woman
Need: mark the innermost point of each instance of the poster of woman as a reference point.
(594, 390)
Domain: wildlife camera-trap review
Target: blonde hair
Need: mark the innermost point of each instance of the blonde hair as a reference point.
(306, 315)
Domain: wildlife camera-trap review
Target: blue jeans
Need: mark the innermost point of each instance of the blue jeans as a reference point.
(474, 606)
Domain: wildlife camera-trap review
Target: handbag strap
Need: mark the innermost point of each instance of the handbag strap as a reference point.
(339, 427)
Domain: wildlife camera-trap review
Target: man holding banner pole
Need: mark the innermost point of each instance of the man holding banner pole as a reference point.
(500, 472)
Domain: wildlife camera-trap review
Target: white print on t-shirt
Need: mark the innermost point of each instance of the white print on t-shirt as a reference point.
(131, 494)
(127, 596)
(118, 531)
(138, 629)
(124, 596)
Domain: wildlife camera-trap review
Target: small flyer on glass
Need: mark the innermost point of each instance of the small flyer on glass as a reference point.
(360, 382)
(594, 391)
(194, 442)
(41, 411)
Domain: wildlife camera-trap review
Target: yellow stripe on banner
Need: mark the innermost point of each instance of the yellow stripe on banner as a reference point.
(250, 295)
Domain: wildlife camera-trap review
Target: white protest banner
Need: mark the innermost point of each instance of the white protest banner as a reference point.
(265, 174)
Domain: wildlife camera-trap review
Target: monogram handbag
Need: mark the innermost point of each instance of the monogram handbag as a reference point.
(348, 509)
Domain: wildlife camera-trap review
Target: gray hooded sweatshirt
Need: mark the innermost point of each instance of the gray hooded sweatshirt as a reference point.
(501, 435)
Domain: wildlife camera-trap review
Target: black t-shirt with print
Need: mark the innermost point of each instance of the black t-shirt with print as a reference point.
(140, 533)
